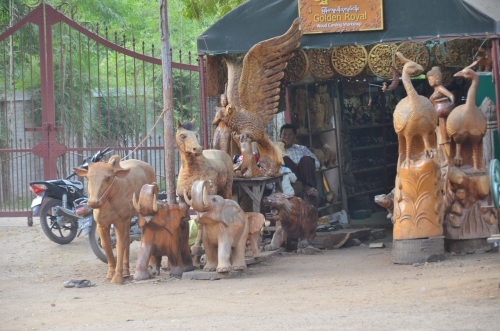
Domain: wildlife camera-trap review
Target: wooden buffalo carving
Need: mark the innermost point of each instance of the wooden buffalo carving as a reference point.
(298, 219)
(165, 231)
(111, 187)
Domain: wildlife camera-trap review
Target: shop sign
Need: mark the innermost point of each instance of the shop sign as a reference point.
(327, 16)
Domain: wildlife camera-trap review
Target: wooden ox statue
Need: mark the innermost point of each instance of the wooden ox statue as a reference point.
(111, 187)
(198, 164)
(165, 231)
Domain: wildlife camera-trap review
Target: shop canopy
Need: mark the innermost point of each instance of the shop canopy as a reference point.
(257, 20)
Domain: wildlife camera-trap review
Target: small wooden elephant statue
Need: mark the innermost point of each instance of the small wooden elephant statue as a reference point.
(165, 231)
(225, 227)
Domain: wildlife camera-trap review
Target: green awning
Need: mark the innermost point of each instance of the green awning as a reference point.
(257, 20)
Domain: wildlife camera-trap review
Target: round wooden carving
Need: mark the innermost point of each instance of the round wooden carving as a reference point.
(355, 86)
(418, 53)
(349, 61)
(319, 63)
(380, 60)
(297, 67)
(454, 53)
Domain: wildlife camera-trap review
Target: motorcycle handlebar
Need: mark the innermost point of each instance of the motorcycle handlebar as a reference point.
(97, 157)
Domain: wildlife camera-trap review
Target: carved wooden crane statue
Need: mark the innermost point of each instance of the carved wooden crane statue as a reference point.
(253, 88)
(466, 122)
(413, 116)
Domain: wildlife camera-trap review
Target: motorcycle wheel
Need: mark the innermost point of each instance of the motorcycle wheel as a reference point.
(61, 235)
(95, 244)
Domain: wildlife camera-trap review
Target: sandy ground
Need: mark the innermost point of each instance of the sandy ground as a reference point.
(353, 288)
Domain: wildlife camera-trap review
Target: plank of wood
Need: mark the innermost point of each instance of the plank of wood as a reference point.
(322, 243)
(377, 245)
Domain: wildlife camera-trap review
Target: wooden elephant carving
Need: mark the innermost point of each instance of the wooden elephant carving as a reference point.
(165, 231)
(225, 228)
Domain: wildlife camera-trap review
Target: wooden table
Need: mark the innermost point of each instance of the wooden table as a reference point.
(254, 188)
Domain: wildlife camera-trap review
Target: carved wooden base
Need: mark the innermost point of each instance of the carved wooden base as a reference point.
(417, 201)
(468, 192)
(468, 246)
(418, 250)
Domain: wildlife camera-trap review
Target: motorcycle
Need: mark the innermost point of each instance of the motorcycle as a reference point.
(58, 217)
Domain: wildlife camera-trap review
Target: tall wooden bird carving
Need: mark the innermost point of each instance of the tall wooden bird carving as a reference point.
(253, 88)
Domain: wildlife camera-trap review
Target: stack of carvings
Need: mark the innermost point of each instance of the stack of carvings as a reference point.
(418, 193)
(467, 188)
(445, 191)
(252, 96)
(318, 106)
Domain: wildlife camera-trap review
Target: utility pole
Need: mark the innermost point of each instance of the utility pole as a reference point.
(168, 104)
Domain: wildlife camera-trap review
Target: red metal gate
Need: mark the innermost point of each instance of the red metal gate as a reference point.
(68, 92)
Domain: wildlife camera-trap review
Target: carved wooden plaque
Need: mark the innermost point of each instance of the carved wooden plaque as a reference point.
(297, 67)
(415, 52)
(355, 86)
(216, 74)
(320, 63)
(380, 60)
(349, 61)
(454, 53)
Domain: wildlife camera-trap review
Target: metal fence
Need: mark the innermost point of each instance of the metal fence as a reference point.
(68, 90)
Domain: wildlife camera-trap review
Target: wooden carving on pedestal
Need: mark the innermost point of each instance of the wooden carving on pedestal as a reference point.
(253, 88)
(222, 134)
(198, 164)
(443, 101)
(418, 190)
(467, 188)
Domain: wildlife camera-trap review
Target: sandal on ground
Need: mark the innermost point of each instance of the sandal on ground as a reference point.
(85, 283)
(71, 283)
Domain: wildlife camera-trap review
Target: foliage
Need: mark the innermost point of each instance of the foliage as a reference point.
(202, 10)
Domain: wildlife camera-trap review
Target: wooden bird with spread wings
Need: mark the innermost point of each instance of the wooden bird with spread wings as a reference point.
(253, 88)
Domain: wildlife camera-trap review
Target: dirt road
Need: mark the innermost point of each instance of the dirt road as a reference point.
(355, 288)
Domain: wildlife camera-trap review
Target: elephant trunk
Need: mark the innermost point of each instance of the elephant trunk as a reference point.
(199, 195)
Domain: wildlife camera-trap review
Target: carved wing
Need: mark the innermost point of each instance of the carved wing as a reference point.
(263, 68)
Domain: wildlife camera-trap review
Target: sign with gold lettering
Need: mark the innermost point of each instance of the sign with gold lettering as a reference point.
(326, 16)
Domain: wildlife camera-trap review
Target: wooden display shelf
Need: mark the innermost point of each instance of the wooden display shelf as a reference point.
(366, 192)
(313, 133)
(366, 126)
(366, 148)
(320, 209)
(368, 170)
(323, 170)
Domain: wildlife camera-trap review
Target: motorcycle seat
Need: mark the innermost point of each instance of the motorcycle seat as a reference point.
(74, 183)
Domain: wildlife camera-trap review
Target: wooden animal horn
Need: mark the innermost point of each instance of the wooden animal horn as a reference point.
(115, 162)
(472, 65)
(155, 204)
(402, 58)
(136, 203)
(188, 201)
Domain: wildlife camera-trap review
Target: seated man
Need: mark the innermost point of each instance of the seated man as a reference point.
(301, 161)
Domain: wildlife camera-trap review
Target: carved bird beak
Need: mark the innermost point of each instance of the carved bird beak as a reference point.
(459, 74)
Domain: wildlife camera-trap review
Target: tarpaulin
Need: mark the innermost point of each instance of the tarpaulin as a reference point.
(257, 20)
